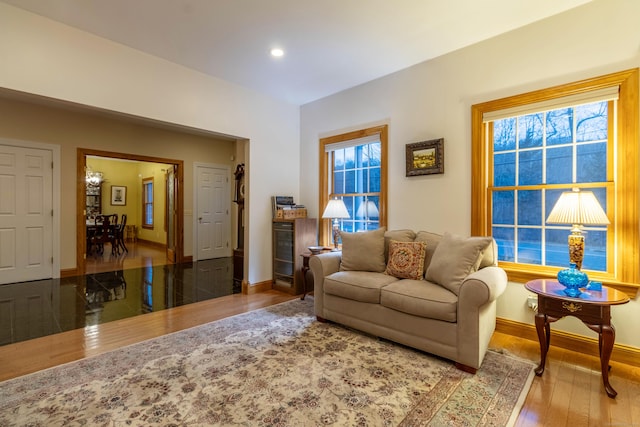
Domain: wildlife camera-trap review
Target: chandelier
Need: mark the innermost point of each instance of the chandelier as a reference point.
(92, 178)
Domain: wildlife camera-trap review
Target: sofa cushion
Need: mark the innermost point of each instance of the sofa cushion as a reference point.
(455, 258)
(432, 240)
(363, 251)
(420, 298)
(361, 286)
(406, 259)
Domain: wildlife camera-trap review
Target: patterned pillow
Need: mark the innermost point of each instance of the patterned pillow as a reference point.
(406, 259)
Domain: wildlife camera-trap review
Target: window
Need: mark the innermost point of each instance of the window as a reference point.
(353, 168)
(535, 158)
(147, 203)
(530, 148)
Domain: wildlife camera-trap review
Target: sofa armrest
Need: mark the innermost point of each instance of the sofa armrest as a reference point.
(477, 313)
(321, 266)
(483, 286)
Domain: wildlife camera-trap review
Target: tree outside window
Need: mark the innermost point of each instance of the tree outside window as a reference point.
(536, 157)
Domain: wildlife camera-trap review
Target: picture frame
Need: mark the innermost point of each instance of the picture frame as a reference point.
(118, 195)
(425, 157)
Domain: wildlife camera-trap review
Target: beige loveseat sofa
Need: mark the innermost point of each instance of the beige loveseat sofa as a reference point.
(446, 306)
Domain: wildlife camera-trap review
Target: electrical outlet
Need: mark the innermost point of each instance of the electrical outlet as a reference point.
(532, 302)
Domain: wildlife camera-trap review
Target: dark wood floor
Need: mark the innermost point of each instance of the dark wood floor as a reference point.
(570, 392)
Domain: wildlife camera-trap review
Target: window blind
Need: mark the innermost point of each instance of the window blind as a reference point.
(598, 95)
(352, 142)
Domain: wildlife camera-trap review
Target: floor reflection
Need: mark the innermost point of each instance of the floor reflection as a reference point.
(44, 307)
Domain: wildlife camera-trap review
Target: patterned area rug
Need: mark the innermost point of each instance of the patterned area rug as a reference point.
(272, 367)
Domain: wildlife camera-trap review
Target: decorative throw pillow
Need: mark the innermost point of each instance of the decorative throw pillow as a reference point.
(363, 251)
(398, 235)
(455, 258)
(406, 259)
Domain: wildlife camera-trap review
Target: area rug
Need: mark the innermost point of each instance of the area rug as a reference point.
(271, 367)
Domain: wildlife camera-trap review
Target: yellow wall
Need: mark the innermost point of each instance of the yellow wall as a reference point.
(130, 175)
(121, 174)
(155, 171)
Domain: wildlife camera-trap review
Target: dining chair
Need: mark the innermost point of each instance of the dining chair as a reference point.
(104, 233)
(119, 234)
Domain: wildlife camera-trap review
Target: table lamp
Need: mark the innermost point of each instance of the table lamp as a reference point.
(577, 208)
(367, 210)
(335, 210)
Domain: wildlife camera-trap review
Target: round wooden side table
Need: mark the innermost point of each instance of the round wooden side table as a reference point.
(592, 307)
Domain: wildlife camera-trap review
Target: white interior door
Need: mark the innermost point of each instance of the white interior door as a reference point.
(26, 214)
(213, 203)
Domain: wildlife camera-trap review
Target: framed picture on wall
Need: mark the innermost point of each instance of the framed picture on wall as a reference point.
(425, 158)
(118, 195)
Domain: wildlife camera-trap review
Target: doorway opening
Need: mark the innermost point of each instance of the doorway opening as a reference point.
(172, 210)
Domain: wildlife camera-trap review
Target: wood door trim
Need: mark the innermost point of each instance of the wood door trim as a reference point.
(81, 163)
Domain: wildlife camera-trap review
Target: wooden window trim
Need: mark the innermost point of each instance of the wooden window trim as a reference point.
(144, 182)
(166, 198)
(626, 226)
(324, 225)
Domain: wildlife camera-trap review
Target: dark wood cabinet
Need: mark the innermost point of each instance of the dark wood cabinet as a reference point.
(291, 237)
(93, 205)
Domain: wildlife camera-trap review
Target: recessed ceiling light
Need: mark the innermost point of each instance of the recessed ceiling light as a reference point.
(277, 52)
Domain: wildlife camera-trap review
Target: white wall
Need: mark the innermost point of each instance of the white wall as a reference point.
(433, 99)
(43, 57)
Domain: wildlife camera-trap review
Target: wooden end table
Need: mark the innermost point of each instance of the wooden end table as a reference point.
(305, 267)
(306, 256)
(593, 308)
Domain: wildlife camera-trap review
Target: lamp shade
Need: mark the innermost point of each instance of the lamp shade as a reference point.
(335, 209)
(367, 210)
(578, 207)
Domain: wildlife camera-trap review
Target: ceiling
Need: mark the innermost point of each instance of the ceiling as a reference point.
(330, 45)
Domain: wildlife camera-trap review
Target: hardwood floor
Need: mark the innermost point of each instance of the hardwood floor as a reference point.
(570, 392)
(139, 255)
(29, 356)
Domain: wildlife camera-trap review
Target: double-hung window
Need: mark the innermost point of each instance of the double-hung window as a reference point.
(353, 168)
(529, 149)
(147, 203)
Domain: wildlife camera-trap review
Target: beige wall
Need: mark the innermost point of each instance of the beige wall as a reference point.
(52, 60)
(71, 130)
(433, 100)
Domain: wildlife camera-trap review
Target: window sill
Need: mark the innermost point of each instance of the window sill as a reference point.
(523, 276)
